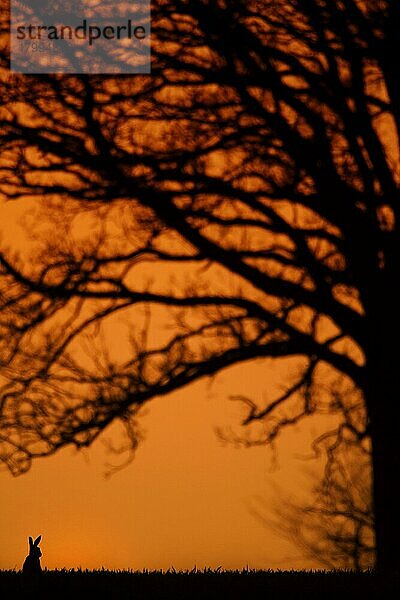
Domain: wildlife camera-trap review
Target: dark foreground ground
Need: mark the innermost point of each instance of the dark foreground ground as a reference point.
(253, 585)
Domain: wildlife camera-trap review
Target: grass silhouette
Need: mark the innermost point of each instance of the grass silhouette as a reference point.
(195, 583)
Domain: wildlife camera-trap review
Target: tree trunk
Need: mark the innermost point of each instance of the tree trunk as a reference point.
(383, 404)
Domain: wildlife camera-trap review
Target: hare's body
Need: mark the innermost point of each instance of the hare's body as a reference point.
(31, 564)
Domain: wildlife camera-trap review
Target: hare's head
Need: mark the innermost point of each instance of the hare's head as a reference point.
(34, 549)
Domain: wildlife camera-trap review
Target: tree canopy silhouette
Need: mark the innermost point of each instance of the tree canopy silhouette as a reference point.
(245, 195)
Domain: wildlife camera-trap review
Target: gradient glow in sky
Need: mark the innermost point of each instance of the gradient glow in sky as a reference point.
(187, 499)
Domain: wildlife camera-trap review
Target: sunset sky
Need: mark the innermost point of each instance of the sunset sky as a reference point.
(187, 499)
(158, 229)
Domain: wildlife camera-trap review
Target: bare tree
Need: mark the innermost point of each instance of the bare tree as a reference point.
(259, 166)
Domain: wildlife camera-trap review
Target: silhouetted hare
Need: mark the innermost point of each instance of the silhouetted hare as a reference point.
(31, 564)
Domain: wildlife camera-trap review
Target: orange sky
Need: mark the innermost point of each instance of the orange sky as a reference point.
(185, 500)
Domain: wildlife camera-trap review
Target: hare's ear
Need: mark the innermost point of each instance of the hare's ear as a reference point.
(37, 541)
(30, 542)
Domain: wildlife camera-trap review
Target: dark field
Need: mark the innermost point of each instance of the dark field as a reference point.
(199, 584)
